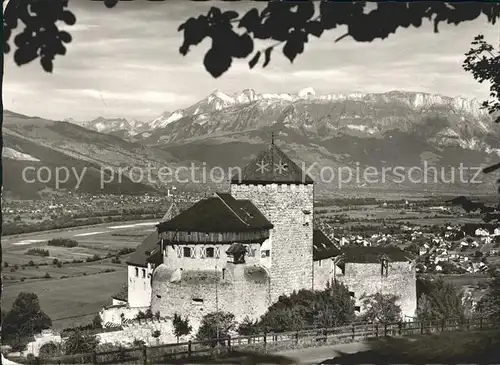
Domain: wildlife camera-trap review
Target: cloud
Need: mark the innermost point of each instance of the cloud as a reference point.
(130, 54)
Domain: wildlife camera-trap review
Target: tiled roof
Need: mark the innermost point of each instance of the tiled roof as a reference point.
(143, 251)
(323, 247)
(272, 166)
(221, 213)
(370, 254)
(149, 250)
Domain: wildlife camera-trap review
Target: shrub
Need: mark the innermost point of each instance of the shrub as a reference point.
(49, 350)
(62, 242)
(79, 342)
(37, 252)
(181, 326)
(216, 325)
(47, 276)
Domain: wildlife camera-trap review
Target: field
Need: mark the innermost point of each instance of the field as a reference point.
(74, 290)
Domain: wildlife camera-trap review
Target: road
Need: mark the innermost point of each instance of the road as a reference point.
(316, 355)
(75, 233)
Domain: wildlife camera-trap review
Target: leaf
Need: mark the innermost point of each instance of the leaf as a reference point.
(68, 17)
(242, 47)
(254, 60)
(250, 21)
(25, 55)
(294, 45)
(217, 61)
(230, 15)
(65, 36)
(47, 64)
(110, 3)
(315, 28)
(267, 56)
(195, 31)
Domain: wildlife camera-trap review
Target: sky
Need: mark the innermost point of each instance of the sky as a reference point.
(125, 62)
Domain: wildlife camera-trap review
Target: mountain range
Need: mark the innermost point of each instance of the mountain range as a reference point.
(326, 133)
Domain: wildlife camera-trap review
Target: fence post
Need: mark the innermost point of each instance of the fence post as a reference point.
(265, 340)
(189, 348)
(481, 323)
(326, 334)
(442, 325)
(297, 337)
(144, 355)
(421, 327)
(385, 329)
(94, 358)
(400, 328)
(229, 343)
(376, 330)
(353, 332)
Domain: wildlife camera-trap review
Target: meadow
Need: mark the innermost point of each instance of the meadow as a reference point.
(70, 292)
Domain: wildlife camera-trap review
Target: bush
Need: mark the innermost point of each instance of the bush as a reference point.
(216, 325)
(47, 276)
(93, 258)
(181, 326)
(79, 342)
(37, 252)
(62, 242)
(115, 260)
(49, 350)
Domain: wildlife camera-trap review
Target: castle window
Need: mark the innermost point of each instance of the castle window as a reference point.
(186, 251)
(210, 252)
(197, 301)
(136, 271)
(265, 253)
(357, 308)
(319, 263)
(223, 274)
(351, 293)
(143, 273)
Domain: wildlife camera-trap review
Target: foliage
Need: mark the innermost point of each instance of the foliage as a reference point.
(181, 326)
(381, 308)
(25, 319)
(156, 333)
(327, 308)
(290, 24)
(489, 304)
(147, 315)
(62, 242)
(97, 322)
(443, 300)
(484, 65)
(248, 327)
(80, 342)
(49, 350)
(216, 325)
(37, 252)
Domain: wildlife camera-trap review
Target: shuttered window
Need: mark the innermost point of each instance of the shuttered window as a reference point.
(217, 252)
(202, 252)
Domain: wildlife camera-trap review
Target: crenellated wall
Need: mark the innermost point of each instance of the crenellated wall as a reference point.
(139, 286)
(241, 289)
(289, 207)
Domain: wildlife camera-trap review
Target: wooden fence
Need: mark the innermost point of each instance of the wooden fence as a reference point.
(267, 342)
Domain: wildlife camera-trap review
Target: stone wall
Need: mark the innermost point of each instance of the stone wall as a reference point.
(141, 330)
(242, 290)
(366, 278)
(285, 206)
(139, 286)
(41, 339)
(324, 272)
(113, 314)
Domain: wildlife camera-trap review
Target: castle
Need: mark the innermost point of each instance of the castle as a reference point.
(240, 251)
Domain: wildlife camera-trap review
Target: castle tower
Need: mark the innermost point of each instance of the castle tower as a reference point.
(284, 194)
